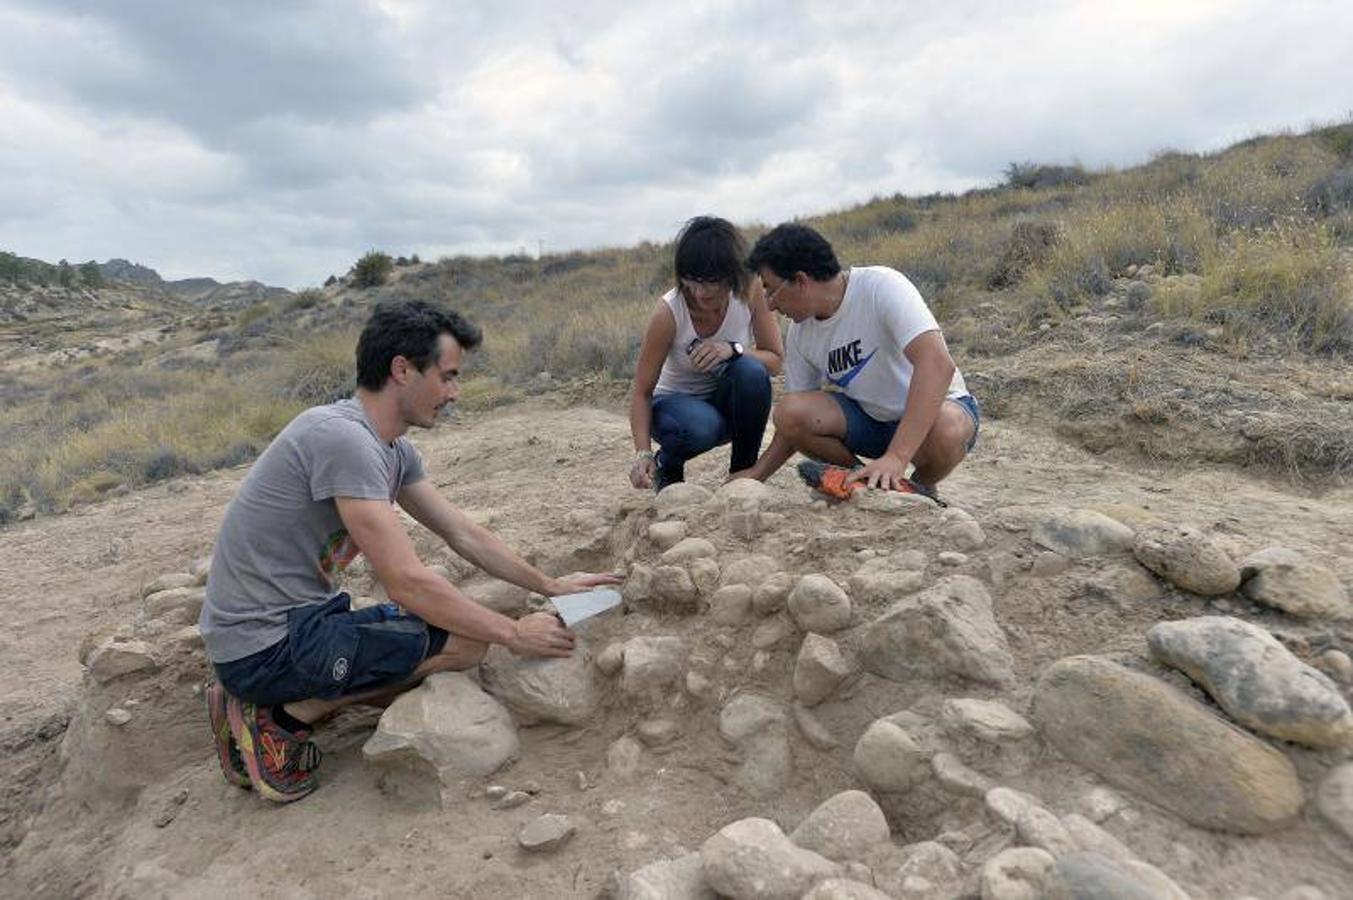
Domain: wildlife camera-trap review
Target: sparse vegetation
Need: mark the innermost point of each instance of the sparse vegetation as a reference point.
(1250, 250)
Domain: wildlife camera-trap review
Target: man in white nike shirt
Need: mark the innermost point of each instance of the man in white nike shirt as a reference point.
(867, 372)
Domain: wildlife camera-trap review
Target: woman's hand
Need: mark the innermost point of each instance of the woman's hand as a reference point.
(707, 355)
(643, 469)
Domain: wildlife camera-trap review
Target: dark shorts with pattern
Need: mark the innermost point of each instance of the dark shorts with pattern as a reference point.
(332, 650)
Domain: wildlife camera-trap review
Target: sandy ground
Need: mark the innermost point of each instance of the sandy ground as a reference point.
(543, 478)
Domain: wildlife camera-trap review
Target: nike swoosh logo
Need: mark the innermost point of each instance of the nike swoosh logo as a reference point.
(854, 370)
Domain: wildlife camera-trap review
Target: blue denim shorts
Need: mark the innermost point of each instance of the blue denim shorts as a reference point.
(867, 436)
(332, 650)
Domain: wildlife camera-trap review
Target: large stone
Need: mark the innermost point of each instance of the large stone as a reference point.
(1144, 736)
(168, 582)
(960, 530)
(750, 570)
(1090, 876)
(688, 549)
(745, 494)
(819, 670)
(682, 878)
(1334, 799)
(1284, 579)
(666, 535)
(652, 664)
(1009, 805)
(1089, 836)
(749, 714)
(115, 659)
(1186, 558)
(881, 580)
(889, 760)
(924, 871)
(1016, 874)
(956, 778)
(1081, 533)
(752, 858)
(447, 727)
(542, 689)
(1036, 827)
(1256, 679)
(673, 588)
(499, 596)
(183, 602)
(766, 764)
(704, 575)
(844, 827)
(985, 720)
(772, 594)
(638, 587)
(548, 832)
(818, 604)
(731, 605)
(844, 889)
(679, 496)
(948, 629)
(812, 729)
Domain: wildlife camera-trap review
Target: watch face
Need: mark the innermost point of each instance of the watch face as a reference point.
(737, 348)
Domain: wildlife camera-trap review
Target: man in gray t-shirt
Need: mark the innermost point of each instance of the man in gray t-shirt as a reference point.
(287, 650)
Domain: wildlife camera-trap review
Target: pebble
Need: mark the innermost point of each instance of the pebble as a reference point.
(512, 799)
(546, 833)
(951, 558)
(118, 717)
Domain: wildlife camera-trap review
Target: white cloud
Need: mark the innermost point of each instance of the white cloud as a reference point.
(281, 141)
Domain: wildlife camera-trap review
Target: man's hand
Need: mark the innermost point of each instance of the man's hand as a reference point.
(708, 354)
(642, 469)
(541, 634)
(887, 472)
(582, 581)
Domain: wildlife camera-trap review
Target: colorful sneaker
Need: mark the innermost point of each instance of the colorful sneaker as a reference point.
(280, 764)
(227, 751)
(831, 480)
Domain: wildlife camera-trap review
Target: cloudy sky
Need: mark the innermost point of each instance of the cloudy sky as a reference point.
(279, 140)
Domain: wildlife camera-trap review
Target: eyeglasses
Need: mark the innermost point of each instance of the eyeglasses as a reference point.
(778, 288)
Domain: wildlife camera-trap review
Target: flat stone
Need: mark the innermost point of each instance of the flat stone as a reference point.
(844, 827)
(652, 664)
(750, 570)
(688, 549)
(1089, 836)
(947, 629)
(1283, 579)
(1089, 875)
(169, 581)
(818, 604)
(985, 720)
(549, 832)
(753, 858)
(1008, 805)
(748, 714)
(115, 659)
(731, 605)
(889, 760)
(1256, 679)
(1142, 735)
(1018, 873)
(881, 580)
(1334, 799)
(819, 670)
(956, 778)
(682, 878)
(512, 799)
(117, 717)
(951, 558)
(676, 497)
(665, 535)
(1186, 558)
(543, 689)
(184, 602)
(1082, 533)
(1127, 582)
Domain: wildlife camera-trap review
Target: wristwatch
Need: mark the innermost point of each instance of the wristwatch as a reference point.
(737, 349)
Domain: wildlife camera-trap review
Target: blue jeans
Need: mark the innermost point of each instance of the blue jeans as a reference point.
(869, 437)
(685, 425)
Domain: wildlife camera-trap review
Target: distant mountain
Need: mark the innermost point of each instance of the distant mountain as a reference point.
(135, 273)
(201, 291)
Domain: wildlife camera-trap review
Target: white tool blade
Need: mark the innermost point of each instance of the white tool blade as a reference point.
(574, 608)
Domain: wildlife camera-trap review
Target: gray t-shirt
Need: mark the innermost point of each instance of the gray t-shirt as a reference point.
(282, 544)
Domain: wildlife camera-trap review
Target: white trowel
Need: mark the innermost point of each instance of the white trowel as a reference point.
(575, 608)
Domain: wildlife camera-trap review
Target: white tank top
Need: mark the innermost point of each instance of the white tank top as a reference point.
(678, 375)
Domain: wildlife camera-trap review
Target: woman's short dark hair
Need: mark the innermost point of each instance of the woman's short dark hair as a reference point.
(712, 249)
(411, 329)
(791, 248)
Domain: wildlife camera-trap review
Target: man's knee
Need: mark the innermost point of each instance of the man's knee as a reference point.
(948, 439)
(461, 653)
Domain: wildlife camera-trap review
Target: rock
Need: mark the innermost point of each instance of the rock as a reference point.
(1334, 799)
(638, 586)
(189, 637)
(960, 530)
(1142, 735)
(115, 659)
(891, 502)
(611, 659)
(689, 549)
(657, 732)
(495, 792)
(511, 800)
(743, 494)
(985, 720)
(1081, 533)
(499, 596)
(951, 558)
(1101, 803)
(447, 727)
(731, 605)
(1186, 558)
(183, 602)
(1088, 836)
(682, 878)
(753, 858)
(200, 569)
(889, 760)
(704, 575)
(748, 714)
(947, 629)
(673, 588)
(750, 570)
(168, 582)
(819, 670)
(563, 690)
(623, 757)
(1282, 578)
(1016, 874)
(771, 595)
(844, 827)
(772, 633)
(844, 889)
(1049, 564)
(1009, 805)
(1083, 876)
(680, 496)
(1256, 679)
(1036, 827)
(880, 581)
(1127, 582)
(546, 833)
(699, 686)
(665, 535)
(117, 716)
(925, 871)
(1337, 665)
(766, 763)
(652, 664)
(813, 731)
(957, 778)
(818, 604)
(1303, 892)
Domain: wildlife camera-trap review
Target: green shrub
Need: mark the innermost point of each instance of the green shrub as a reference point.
(372, 270)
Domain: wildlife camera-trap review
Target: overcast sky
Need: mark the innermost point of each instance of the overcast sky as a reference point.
(279, 140)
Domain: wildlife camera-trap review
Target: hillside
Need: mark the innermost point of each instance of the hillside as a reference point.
(1194, 308)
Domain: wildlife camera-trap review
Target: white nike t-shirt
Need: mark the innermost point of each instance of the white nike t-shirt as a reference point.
(859, 350)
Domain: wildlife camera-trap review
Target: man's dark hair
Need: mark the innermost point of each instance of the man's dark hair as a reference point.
(711, 249)
(408, 328)
(791, 248)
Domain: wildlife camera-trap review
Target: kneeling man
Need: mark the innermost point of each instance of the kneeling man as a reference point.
(896, 396)
(287, 650)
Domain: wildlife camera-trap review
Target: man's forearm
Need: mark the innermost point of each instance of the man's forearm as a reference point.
(489, 552)
(438, 602)
(776, 455)
(925, 396)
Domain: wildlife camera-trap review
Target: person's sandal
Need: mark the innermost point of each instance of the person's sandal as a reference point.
(831, 480)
